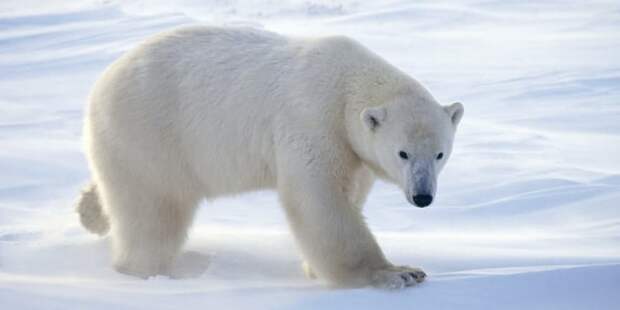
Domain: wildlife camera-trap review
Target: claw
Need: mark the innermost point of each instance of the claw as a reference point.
(399, 277)
(419, 277)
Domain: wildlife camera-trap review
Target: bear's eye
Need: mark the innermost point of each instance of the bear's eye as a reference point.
(439, 156)
(403, 155)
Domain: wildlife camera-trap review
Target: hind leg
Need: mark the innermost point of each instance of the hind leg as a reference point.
(148, 229)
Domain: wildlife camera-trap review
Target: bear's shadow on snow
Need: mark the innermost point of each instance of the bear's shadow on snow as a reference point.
(190, 264)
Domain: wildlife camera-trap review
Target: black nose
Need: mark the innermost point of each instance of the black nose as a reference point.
(422, 200)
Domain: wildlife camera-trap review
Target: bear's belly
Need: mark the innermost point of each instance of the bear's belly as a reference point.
(233, 161)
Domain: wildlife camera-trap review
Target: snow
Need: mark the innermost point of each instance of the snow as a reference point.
(527, 215)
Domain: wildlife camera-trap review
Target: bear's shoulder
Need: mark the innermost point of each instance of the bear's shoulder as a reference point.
(339, 44)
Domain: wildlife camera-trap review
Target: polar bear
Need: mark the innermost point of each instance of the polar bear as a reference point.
(204, 112)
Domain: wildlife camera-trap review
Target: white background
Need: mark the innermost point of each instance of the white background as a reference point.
(528, 208)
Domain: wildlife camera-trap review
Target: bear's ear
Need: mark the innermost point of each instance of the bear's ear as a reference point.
(373, 117)
(455, 111)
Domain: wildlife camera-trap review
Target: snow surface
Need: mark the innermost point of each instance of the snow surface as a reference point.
(527, 215)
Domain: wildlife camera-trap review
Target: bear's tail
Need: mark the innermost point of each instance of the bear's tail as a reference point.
(90, 211)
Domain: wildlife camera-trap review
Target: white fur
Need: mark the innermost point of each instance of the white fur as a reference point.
(206, 112)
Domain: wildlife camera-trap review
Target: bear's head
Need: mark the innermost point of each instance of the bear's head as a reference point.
(408, 142)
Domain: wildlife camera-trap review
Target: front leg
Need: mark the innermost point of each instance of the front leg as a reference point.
(332, 233)
(357, 190)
